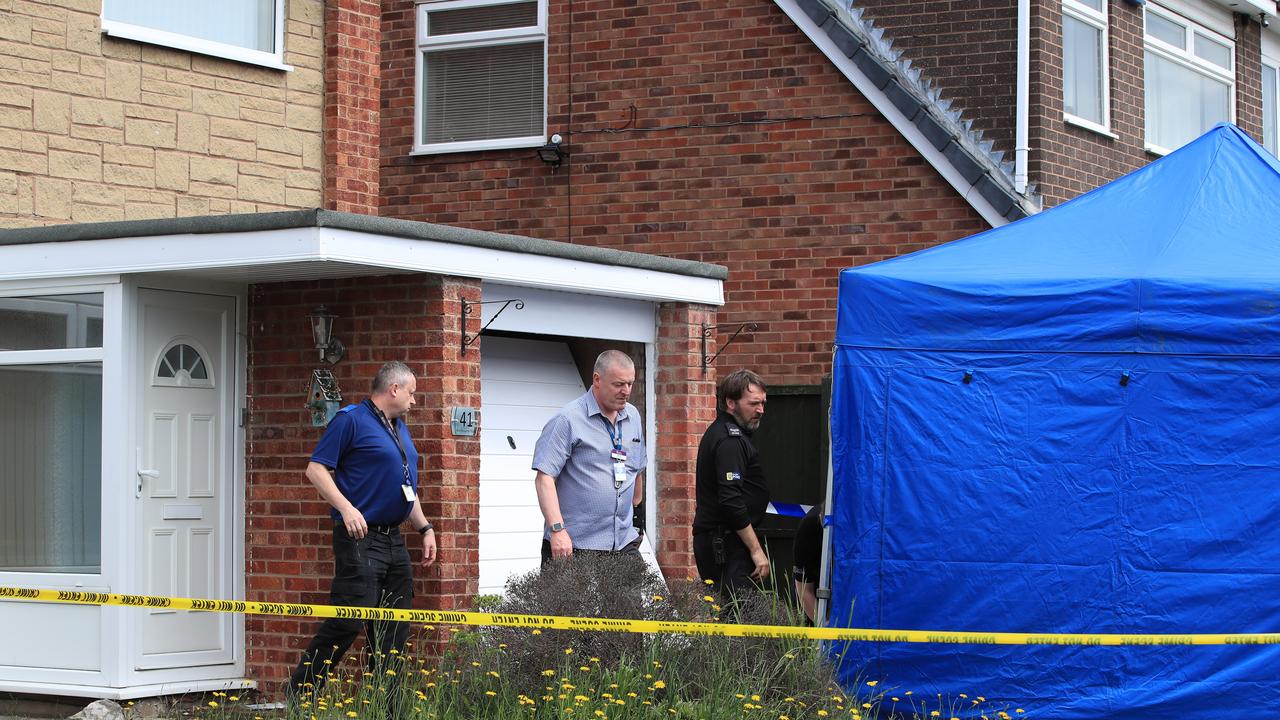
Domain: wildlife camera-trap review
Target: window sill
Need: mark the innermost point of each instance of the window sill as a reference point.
(479, 145)
(1089, 125)
(1156, 150)
(151, 36)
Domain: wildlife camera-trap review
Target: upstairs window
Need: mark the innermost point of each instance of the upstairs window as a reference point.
(481, 71)
(1190, 79)
(249, 31)
(1084, 63)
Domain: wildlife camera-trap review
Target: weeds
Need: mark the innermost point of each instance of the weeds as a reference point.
(503, 673)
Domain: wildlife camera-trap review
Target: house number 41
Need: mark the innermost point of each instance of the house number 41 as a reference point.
(464, 421)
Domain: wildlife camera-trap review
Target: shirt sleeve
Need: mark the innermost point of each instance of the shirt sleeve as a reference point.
(555, 443)
(336, 439)
(731, 465)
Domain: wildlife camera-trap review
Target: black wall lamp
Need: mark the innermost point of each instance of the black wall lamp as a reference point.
(551, 153)
(331, 348)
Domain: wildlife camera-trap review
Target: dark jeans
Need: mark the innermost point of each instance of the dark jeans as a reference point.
(373, 571)
(727, 564)
(632, 548)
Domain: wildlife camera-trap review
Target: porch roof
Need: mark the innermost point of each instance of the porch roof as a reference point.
(315, 244)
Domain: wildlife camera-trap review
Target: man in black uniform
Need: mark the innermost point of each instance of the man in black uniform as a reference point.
(807, 551)
(731, 492)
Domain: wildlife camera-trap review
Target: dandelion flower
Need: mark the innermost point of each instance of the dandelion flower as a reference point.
(352, 713)
(548, 673)
(1019, 711)
(568, 651)
(822, 713)
(490, 693)
(935, 713)
(657, 598)
(755, 698)
(708, 598)
(872, 683)
(535, 632)
(213, 703)
(659, 684)
(866, 706)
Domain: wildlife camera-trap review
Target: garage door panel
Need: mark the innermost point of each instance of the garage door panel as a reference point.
(515, 417)
(508, 518)
(495, 573)
(547, 370)
(500, 442)
(510, 493)
(511, 545)
(530, 392)
(506, 467)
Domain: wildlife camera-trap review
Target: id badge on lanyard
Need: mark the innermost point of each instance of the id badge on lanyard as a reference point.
(619, 457)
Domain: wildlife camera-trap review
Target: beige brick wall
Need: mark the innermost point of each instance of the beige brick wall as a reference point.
(94, 128)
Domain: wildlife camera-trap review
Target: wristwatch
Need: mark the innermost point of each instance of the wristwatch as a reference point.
(557, 527)
(423, 530)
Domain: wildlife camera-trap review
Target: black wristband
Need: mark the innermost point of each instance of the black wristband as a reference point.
(423, 530)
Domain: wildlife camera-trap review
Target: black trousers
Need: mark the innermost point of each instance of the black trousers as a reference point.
(632, 548)
(723, 559)
(373, 571)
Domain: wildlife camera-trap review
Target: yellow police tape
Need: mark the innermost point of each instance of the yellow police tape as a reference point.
(554, 622)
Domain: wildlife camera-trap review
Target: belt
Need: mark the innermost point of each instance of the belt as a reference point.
(385, 529)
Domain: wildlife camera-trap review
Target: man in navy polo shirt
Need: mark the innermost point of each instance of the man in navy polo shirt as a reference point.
(366, 468)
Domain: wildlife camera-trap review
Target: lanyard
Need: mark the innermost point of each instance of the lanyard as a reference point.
(616, 439)
(386, 424)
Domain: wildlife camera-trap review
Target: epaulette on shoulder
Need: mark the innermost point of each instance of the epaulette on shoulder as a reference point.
(733, 430)
(348, 409)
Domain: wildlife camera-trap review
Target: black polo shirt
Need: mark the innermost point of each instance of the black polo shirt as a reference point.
(731, 490)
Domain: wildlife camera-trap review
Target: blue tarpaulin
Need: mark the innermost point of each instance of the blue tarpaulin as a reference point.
(1069, 424)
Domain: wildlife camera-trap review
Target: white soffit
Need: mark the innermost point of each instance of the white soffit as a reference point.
(308, 253)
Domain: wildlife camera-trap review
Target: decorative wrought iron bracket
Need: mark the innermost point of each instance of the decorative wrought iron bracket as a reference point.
(709, 330)
(466, 311)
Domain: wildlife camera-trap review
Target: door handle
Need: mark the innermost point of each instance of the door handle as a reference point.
(143, 474)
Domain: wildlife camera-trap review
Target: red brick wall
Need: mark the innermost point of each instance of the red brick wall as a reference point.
(966, 49)
(1249, 75)
(746, 149)
(351, 124)
(413, 318)
(685, 405)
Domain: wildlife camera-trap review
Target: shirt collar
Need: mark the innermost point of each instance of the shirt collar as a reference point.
(593, 408)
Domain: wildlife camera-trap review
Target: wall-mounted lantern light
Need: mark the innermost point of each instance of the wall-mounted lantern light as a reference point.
(331, 348)
(551, 153)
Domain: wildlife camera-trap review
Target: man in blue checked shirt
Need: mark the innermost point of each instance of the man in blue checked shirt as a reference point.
(588, 463)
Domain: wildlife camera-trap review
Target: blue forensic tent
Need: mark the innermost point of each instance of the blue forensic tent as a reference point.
(1072, 424)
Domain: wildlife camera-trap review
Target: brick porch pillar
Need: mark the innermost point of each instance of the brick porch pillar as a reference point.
(685, 405)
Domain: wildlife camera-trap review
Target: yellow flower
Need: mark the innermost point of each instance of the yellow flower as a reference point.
(568, 651)
(536, 632)
(352, 713)
(935, 713)
(391, 672)
(584, 668)
(866, 706)
(493, 673)
(1019, 710)
(595, 659)
(657, 598)
(755, 698)
(872, 683)
(548, 673)
(822, 713)
(234, 698)
(659, 684)
(708, 598)
(896, 700)
(213, 703)
(490, 693)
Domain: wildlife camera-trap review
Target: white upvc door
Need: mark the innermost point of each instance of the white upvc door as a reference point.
(184, 474)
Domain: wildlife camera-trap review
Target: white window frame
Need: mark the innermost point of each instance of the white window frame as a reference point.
(178, 41)
(1194, 24)
(1098, 21)
(473, 39)
(106, 356)
(1271, 59)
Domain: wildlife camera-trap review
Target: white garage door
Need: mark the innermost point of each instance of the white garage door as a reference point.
(523, 383)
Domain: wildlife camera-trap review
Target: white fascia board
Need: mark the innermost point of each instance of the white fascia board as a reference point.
(886, 108)
(192, 253)
(516, 268)
(158, 253)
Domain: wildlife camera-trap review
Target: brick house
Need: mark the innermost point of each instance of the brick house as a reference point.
(779, 140)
